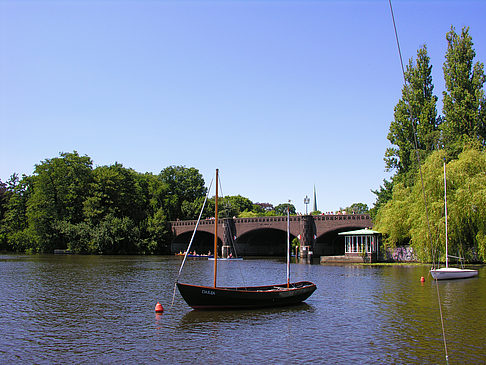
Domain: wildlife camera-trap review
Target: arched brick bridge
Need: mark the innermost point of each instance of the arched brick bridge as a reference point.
(268, 235)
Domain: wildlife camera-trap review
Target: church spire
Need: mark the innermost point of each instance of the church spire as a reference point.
(315, 199)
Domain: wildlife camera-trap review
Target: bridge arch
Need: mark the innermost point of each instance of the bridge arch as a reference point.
(263, 242)
(203, 242)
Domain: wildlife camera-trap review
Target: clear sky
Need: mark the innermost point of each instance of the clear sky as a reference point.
(279, 95)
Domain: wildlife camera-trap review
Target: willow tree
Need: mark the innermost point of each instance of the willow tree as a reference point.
(464, 100)
(404, 218)
(467, 206)
(428, 223)
(393, 219)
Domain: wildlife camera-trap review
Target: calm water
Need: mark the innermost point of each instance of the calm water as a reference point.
(92, 309)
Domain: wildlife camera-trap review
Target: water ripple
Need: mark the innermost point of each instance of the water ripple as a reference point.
(90, 309)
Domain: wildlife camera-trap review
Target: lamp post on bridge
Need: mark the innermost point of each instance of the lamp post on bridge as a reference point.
(306, 202)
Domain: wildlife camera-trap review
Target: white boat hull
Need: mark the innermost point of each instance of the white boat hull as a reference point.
(446, 273)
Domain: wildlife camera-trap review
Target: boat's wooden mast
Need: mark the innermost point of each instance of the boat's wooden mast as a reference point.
(216, 230)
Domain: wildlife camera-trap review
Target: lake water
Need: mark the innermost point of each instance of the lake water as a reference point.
(100, 309)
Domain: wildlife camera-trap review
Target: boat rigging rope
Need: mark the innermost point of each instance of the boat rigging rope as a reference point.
(407, 102)
(190, 242)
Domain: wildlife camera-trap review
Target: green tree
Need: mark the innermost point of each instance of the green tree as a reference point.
(393, 218)
(60, 186)
(466, 184)
(115, 190)
(416, 125)
(115, 235)
(155, 231)
(233, 206)
(184, 184)
(3, 208)
(3, 199)
(14, 234)
(295, 245)
(77, 237)
(281, 209)
(159, 235)
(357, 208)
(250, 214)
(257, 209)
(383, 195)
(464, 101)
(404, 218)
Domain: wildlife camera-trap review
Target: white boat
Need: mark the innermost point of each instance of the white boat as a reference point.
(447, 272)
(452, 273)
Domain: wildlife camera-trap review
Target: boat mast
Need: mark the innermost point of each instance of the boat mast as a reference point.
(445, 205)
(216, 230)
(288, 246)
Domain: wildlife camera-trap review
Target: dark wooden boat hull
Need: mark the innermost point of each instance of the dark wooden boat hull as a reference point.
(210, 298)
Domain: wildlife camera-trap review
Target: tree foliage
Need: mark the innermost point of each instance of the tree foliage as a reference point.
(281, 209)
(464, 100)
(416, 126)
(68, 204)
(184, 185)
(410, 207)
(233, 206)
(357, 208)
(404, 218)
(383, 196)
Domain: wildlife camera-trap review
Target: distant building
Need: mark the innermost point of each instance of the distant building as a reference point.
(362, 243)
(359, 246)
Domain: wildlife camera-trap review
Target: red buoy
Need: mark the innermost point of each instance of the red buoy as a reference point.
(159, 308)
(422, 279)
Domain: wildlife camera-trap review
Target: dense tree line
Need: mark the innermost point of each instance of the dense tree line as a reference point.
(68, 204)
(421, 137)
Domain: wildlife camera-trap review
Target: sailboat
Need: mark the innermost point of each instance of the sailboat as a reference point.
(245, 297)
(450, 272)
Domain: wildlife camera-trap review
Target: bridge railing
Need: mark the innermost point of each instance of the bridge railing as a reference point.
(192, 222)
(294, 218)
(341, 217)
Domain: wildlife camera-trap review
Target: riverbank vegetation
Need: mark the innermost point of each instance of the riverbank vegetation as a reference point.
(68, 204)
(410, 207)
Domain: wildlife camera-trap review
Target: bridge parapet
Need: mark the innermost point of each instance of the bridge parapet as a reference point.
(293, 218)
(341, 217)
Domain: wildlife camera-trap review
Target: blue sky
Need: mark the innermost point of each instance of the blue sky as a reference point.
(279, 95)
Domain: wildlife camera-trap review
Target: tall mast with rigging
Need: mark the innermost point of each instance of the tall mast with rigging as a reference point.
(445, 207)
(249, 297)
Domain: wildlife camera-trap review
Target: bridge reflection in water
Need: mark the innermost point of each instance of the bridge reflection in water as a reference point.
(267, 236)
